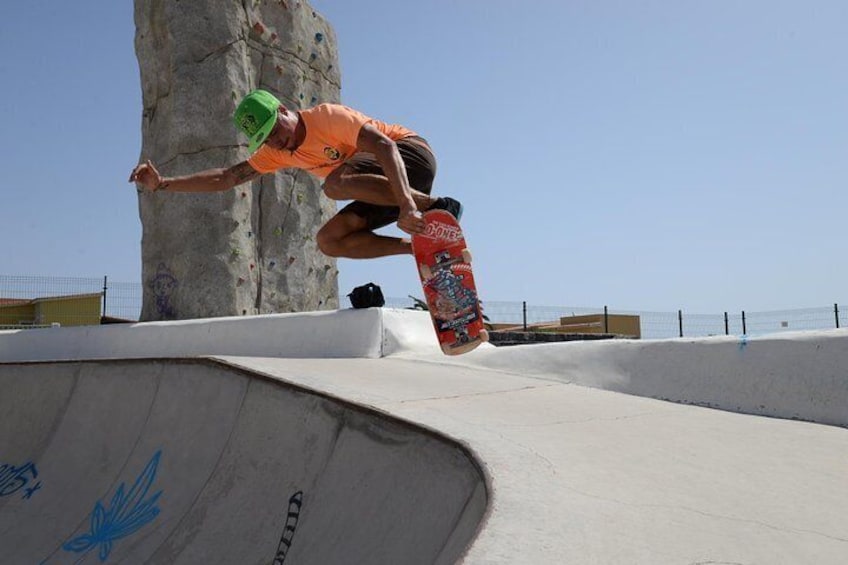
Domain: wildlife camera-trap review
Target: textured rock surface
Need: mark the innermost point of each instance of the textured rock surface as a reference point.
(251, 250)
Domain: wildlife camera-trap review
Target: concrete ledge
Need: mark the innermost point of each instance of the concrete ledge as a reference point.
(799, 375)
(366, 333)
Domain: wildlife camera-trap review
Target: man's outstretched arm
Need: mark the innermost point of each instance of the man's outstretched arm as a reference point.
(210, 180)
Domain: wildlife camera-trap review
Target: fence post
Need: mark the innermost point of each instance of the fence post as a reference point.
(836, 314)
(726, 325)
(680, 321)
(105, 288)
(524, 304)
(744, 325)
(606, 320)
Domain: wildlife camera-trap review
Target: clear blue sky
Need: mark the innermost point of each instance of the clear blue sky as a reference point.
(645, 155)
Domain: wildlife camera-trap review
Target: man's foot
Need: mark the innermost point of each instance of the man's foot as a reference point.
(448, 204)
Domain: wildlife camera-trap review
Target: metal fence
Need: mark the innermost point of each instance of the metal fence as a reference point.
(659, 325)
(122, 300)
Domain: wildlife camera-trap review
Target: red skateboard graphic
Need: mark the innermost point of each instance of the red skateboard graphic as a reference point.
(444, 266)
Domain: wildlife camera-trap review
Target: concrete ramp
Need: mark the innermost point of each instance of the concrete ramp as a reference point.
(347, 437)
(194, 461)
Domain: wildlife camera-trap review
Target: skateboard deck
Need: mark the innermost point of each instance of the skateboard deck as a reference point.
(444, 267)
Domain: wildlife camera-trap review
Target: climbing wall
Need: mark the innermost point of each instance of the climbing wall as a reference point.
(250, 250)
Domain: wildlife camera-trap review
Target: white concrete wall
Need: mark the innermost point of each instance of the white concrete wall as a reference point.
(335, 334)
(802, 375)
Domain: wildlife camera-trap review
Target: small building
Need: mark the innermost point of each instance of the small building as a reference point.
(619, 325)
(73, 310)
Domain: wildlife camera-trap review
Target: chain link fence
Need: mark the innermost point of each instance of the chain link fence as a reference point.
(22, 296)
(659, 325)
(36, 296)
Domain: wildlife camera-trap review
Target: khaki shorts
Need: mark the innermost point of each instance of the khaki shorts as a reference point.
(420, 169)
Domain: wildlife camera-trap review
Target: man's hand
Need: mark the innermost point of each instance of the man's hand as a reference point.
(147, 176)
(410, 220)
(210, 180)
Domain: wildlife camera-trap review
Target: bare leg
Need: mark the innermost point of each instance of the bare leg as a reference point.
(373, 189)
(346, 235)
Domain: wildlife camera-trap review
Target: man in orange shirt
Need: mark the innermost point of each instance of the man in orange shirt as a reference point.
(386, 169)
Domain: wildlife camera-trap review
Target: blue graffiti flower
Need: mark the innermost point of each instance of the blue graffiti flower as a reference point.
(128, 512)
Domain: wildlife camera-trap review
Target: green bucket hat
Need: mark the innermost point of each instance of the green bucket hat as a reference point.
(256, 116)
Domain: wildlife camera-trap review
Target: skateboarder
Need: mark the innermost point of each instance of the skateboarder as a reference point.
(386, 169)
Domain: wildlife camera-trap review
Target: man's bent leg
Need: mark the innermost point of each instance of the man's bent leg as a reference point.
(362, 178)
(346, 184)
(347, 235)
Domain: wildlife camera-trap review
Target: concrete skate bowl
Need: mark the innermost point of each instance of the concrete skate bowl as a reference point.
(194, 461)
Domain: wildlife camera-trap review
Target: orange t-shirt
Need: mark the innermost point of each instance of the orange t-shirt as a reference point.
(331, 134)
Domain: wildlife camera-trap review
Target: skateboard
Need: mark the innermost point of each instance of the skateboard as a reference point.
(444, 266)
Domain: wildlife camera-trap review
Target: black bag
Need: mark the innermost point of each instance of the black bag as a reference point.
(366, 296)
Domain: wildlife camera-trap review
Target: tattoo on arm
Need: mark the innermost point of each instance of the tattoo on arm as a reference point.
(243, 172)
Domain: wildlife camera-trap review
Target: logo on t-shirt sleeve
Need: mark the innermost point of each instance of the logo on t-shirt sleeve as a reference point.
(332, 153)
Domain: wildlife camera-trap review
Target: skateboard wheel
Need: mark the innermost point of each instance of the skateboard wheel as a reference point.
(425, 271)
(466, 256)
(484, 335)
